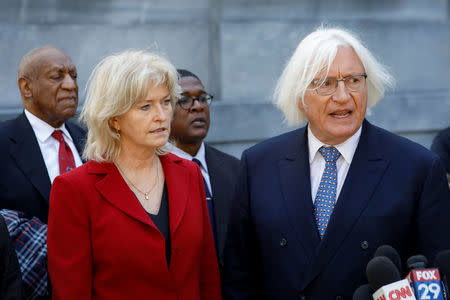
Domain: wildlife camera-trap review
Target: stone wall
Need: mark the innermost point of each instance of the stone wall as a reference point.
(239, 47)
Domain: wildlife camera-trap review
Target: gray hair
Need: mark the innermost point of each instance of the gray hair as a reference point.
(315, 54)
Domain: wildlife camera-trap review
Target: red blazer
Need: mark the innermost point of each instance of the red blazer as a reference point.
(103, 245)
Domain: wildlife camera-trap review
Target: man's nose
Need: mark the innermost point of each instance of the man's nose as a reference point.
(196, 105)
(342, 93)
(69, 82)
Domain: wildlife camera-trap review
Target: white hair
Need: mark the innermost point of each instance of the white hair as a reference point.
(315, 54)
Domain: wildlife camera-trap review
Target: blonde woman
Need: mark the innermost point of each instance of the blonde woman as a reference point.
(132, 222)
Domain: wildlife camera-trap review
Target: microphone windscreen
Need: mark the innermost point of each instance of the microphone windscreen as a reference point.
(381, 271)
(364, 292)
(442, 262)
(391, 253)
(417, 261)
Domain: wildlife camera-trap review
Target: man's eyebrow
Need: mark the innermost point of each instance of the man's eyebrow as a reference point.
(184, 93)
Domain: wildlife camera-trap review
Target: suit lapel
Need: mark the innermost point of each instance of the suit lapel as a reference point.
(78, 138)
(115, 190)
(27, 154)
(296, 191)
(366, 170)
(177, 180)
(219, 189)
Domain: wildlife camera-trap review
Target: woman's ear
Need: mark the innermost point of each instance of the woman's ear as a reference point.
(114, 123)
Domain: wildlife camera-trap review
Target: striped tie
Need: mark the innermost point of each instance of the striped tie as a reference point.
(209, 201)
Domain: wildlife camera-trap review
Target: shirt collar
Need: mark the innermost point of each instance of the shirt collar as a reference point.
(347, 148)
(42, 129)
(200, 155)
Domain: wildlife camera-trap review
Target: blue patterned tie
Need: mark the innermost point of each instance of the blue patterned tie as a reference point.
(326, 194)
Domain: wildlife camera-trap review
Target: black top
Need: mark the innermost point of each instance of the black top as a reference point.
(161, 221)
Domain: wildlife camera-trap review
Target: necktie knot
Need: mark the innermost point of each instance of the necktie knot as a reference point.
(330, 154)
(57, 134)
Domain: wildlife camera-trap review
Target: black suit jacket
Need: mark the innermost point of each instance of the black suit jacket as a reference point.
(25, 184)
(10, 278)
(223, 171)
(395, 193)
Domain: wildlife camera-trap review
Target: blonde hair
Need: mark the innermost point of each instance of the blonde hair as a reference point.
(315, 54)
(117, 83)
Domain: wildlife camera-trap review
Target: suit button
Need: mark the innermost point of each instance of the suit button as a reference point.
(364, 245)
(301, 296)
(221, 263)
(339, 298)
(283, 242)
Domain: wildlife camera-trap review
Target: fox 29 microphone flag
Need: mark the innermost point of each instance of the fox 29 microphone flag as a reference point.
(427, 284)
(399, 290)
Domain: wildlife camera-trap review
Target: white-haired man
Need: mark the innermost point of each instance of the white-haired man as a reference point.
(315, 203)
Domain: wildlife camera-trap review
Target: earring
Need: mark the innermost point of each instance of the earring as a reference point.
(117, 134)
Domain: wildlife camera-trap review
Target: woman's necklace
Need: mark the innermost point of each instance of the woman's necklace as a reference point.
(146, 194)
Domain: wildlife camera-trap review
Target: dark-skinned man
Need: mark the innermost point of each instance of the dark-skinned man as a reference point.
(37, 146)
(189, 127)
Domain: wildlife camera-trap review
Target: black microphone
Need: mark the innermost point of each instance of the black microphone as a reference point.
(391, 253)
(381, 271)
(385, 279)
(364, 292)
(425, 280)
(442, 262)
(417, 262)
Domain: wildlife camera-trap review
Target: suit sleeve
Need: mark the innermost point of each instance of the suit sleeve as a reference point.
(242, 270)
(209, 272)
(433, 213)
(10, 277)
(69, 244)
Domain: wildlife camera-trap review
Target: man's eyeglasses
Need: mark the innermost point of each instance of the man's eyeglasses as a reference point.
(328, 86)
(186, 102)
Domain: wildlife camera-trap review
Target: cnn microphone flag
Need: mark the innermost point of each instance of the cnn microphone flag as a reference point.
(399, 290)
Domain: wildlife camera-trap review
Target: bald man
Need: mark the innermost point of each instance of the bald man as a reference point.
(36, 147)
(30, 155)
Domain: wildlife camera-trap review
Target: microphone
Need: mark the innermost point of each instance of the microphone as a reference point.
(391, 253)
(381, 271)
(416, 262)
(384, 278)
(426, 282)
(364, 292)
(442, 262)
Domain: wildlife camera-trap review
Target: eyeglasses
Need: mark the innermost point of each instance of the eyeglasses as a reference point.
(186, 102)
(328, 86)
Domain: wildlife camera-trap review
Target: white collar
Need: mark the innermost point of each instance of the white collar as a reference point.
(347, 148)
(200, 155)
(42, 129)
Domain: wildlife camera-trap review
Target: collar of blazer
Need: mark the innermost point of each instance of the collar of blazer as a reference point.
(26, 153)
(115, 190)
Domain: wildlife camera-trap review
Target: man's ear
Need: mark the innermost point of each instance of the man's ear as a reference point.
(25, 87)
(300, 104)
